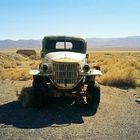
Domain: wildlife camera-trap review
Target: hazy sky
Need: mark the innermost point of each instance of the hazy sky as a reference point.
(33, 19)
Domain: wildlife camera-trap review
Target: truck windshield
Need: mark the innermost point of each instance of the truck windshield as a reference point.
(64, 45)
(59, 45)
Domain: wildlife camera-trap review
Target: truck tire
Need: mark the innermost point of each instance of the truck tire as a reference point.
(38, 89)
(26, 97)
(93, 95)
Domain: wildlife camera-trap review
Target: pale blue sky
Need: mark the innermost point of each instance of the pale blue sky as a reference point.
(33, 19)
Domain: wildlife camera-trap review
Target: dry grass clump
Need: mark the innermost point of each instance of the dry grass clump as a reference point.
(16, 67)
(21, 74)
(7, 62)
(119, 69)
(34, 57)
(34, 64)
(119, 78)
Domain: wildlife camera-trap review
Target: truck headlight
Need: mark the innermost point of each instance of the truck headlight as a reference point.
(44, 67)
(86, 68)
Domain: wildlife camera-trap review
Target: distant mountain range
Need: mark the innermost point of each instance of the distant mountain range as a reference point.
(20, 44)
(125, 42)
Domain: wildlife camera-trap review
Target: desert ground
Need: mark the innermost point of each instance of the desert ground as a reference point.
(118, 116)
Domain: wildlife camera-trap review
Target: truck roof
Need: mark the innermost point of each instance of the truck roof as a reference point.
(70, 38)
(78, 44)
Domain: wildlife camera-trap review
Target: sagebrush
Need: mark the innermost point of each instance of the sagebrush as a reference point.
(120, 69)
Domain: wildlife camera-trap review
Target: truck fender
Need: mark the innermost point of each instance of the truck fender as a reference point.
(34, 72)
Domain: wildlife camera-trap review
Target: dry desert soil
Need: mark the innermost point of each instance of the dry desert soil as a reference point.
(118, 116)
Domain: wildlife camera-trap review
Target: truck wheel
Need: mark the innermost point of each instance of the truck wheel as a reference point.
(26, 97)
(38, 89)
(93, 95)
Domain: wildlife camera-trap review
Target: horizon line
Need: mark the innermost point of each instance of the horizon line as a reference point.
(73, 36)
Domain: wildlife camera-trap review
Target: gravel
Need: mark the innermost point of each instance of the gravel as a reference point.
(118, 116)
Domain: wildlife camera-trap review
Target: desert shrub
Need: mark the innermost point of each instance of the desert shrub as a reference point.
(34, 64)
(19, 57)
(11, 60)
(21, 74)
(34, 57)
(18, 63)
(119, 69)
(15, 66)
(119, 78)
(7, 62)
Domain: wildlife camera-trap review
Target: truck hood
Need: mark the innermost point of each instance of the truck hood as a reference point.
(65, 57)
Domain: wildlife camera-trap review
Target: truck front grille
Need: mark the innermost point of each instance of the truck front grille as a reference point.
(65, 73)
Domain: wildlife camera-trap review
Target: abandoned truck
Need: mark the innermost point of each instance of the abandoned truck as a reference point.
(64, 71)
